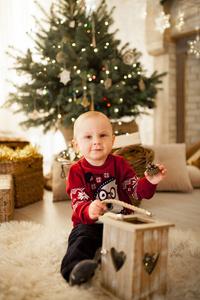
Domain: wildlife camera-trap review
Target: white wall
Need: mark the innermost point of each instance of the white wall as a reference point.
(16, 20)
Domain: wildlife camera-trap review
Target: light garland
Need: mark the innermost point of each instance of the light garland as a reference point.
(181, 21)
(195, 46)
(162, 22)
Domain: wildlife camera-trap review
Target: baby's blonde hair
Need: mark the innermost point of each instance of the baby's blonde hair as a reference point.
(88, 115)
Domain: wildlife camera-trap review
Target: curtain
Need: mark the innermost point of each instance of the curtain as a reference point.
(15, 21)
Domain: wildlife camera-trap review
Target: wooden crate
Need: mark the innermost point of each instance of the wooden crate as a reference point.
(134, 257)
(6, 198)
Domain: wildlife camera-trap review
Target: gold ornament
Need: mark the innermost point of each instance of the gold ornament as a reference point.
(85, 101)
(72, 24)
(128, 58)
(108, 83)
(35, 115)
(58, 123)
(32, 64)
(61, 56)
(141, 84)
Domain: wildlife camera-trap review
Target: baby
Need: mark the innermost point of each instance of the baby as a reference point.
(99, 175)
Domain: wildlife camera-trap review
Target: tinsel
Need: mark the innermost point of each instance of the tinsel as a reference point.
(8, 154)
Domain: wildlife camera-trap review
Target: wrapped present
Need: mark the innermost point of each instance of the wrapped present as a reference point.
(6, 198)
(26, 167)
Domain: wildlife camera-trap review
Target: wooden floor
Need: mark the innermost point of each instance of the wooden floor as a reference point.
(182, 209)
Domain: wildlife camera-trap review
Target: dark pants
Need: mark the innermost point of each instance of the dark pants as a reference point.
(83, 242)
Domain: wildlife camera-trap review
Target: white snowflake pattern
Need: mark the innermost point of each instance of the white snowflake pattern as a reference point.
(82, 196)
(106, 175)
(93, 186)
(98, 179)
(131, 184)
(78, 195)
(131, 181)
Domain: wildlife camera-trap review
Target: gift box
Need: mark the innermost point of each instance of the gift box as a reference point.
(26, 167)
(6, 198)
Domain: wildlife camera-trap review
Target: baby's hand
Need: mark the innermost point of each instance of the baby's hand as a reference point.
(155, 179)
(96, 209)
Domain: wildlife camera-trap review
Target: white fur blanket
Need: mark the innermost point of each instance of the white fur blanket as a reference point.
(30, 257)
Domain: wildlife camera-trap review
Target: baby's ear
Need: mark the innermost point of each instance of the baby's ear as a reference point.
(113, 139)
(75, 144)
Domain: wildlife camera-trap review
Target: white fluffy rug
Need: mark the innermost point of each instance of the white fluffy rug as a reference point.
(30, 257)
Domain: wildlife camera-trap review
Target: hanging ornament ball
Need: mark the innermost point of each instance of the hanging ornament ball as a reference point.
(61, 56)
(69, 154)
(85, 102)
(35, 115)
(57, 124)
(128, 58)
(64, 76)
(72, 24)
(32, 64)
(19, 72)
(108, 83)
(141, 85)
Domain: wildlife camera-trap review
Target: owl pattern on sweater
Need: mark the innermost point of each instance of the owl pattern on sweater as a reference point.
(104, 186)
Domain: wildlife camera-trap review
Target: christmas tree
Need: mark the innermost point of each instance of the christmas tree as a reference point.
(78, 65)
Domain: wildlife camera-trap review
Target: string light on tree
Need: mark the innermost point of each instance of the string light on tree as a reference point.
(82, 67)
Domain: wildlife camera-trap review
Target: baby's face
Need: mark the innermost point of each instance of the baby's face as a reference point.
(94, 139)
